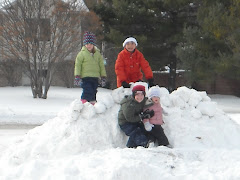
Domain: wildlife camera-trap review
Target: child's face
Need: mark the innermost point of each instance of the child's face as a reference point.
(139, 96)
(89, 47)
(155, 99)
(130, 46)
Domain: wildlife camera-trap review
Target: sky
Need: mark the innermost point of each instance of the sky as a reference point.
(83, 142)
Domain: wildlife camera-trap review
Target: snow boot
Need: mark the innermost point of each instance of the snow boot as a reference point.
(84, 101)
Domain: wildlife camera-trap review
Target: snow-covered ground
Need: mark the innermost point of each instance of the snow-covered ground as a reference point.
(229, 104)
(76, 141)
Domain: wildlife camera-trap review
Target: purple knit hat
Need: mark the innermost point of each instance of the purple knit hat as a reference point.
(89, 38)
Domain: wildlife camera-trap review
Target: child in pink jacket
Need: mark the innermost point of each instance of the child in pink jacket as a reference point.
(153, 125)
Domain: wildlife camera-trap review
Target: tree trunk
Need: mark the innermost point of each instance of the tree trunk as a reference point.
(47, 82)
(46, 88)
(33, 90)
(172, 75)
(36, 86)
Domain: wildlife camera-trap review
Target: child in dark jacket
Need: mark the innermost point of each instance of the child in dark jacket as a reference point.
(129, 117)
(153, 124)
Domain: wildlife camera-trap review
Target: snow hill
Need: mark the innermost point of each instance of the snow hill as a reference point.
(84, 141)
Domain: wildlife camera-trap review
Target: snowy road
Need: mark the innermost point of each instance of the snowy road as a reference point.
(11, 133)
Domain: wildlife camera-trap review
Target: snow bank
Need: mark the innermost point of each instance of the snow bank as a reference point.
(191, 119)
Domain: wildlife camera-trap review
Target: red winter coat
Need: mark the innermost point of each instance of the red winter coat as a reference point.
(157, 118)
(129, 65)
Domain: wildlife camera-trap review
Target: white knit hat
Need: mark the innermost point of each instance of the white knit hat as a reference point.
(130, 39)
(154, 92)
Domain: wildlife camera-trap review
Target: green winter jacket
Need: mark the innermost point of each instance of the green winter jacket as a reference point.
(130, 109)
(87, 65)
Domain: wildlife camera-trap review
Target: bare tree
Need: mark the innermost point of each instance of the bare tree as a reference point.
(11, 69)
(65, 71)
(39, 34)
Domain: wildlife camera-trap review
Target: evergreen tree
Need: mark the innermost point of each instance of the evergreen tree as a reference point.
(212, 47)
(157, 25)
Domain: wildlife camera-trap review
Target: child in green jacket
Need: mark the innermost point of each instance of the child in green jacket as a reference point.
(89, 67)
(130, 117)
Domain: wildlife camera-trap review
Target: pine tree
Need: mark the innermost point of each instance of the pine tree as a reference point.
(157, 25)
(211, 47)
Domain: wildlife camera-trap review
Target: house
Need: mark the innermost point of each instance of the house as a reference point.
(39, 36)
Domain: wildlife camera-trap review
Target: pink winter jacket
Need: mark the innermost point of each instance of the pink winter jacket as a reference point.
(157, 118)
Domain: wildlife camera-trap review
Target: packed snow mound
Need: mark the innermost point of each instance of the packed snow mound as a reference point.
(78, 128)
(191, 119)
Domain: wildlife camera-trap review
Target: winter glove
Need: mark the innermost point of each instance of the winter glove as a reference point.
(150, 82)
(77, 81)
(148, 126)
(103, 81)
(146, 114)
(125, 84)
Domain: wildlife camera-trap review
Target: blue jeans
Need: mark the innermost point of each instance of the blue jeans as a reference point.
(89, 85)
(136, 134)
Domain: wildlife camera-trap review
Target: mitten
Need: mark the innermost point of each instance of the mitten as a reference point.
(150, 82)
(146, 114)
(103, 81)
(125, 84)
(151, 113)
(77, 81)
(148, 126)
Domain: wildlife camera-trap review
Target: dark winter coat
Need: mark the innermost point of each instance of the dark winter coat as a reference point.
(130, 110)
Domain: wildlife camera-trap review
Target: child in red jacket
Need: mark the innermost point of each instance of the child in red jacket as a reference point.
(129, 64)
(153, 124)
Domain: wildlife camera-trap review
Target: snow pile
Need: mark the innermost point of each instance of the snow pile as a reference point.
(192, 120)
(79, 128)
